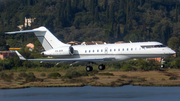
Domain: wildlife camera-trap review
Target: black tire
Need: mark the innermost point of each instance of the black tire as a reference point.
(89, 68)
(101, 67)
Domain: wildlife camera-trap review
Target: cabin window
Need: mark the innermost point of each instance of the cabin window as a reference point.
(101, 50)
(123, 49)
(110, 50)
(131, 49)
(85, 51)
(135, 48)
(114, 49)
(89, 51)
(139, 48)
(93, 50)
(127, 49)
(118, 49)
(97, 50)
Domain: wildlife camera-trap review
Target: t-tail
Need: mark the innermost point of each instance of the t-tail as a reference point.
(46, 38)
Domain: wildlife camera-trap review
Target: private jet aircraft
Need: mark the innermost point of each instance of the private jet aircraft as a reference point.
(92, 54)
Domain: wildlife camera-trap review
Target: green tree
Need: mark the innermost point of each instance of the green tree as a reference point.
(127, 12)
(92, 6)
(2, 42)
(111, 14)
(68, 10)
(105, 4)
(83, 5)
(176, 16)
(140, 3)
(133, 38)
(173, 43)
(96, 16)
(177, 63)
(107, 14)
(75, 4)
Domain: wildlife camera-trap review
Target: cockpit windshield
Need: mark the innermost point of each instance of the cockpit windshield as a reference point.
(153, 46)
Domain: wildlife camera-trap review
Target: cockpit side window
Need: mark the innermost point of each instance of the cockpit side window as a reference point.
(162, 45)
(158, 46)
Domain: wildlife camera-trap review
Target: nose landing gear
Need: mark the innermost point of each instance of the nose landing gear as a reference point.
(162, 61)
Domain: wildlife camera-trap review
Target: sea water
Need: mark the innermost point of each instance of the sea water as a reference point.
(88, 93)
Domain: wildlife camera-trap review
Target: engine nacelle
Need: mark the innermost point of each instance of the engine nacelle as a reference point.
(65, 50)
(71, 50)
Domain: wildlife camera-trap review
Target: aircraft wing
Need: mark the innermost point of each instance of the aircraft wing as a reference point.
(72, 59)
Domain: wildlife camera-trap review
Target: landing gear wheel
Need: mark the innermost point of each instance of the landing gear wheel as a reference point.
(89, 68)
(101, 67)
(162, 66)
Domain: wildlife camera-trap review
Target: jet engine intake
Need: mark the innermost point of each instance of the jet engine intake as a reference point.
(71, 50)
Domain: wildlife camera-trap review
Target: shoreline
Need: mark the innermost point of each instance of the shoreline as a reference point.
(47, 86)
(168, 78)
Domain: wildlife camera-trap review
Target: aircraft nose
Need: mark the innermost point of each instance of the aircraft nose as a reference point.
(172, 52)
(169, 51)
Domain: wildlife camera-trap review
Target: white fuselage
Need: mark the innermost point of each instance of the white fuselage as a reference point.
(120, 52)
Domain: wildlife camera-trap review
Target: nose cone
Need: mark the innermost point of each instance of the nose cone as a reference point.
(169, 51)
(172, 52)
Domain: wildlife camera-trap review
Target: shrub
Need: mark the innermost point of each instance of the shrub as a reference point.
(74, 81)
(11, 75)
(54, 75)
(143, 79)
(173, 78)
(95, 78)
(92, 73)
(119, 80)
(43, 74)
(22, 74)
(107, 74)
(6, 77)
(123, 76)
(73, 73)
(30, 77)
(127, 67)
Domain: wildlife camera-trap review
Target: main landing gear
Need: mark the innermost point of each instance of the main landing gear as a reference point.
(101, 67)
(90, 68)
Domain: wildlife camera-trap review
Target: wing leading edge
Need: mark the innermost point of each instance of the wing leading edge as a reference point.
(56, 60)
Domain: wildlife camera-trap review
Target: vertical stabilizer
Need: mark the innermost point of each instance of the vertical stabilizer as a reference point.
(46, 38)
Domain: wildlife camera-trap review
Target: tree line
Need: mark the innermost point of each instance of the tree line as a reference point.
(87, 20)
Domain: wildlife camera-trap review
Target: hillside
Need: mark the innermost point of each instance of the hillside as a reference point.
(87, 20)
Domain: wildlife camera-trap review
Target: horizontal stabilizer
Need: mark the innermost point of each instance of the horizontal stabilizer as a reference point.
(25, 31)
(20, 56)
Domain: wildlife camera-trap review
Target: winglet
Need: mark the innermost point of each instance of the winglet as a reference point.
(20, 56)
